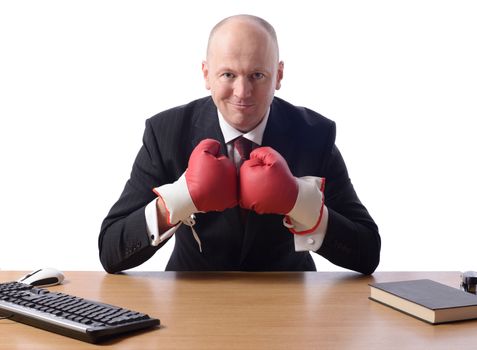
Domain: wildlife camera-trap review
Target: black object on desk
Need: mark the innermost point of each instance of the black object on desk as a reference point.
(469, 282)
(75, 317)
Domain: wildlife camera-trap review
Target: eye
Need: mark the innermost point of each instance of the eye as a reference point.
(227, 75)
(258, 76)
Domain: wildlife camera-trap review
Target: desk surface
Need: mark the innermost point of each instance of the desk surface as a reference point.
(310, 310)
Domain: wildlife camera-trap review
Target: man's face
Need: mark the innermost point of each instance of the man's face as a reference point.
(242, 72)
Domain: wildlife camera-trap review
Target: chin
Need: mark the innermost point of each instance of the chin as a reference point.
(241, 121)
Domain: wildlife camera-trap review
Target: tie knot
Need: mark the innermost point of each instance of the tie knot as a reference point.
(243, 147)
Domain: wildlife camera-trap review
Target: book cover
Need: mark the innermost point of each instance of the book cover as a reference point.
(427, 300)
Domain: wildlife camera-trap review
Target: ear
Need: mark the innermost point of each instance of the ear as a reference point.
(281, 66)
(205, 72)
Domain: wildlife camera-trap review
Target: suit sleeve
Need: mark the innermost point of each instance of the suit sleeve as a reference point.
(123, 239)
(352, 239)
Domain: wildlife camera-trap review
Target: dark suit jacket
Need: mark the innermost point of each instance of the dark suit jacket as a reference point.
(307, 142)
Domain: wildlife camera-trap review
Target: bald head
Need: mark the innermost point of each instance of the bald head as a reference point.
(242, 70)
(241, 24)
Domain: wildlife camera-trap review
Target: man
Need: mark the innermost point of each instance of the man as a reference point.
(192, 177)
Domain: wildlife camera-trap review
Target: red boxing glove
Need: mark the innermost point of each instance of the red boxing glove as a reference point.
(208, 184)
(266, 184)
(211, 178)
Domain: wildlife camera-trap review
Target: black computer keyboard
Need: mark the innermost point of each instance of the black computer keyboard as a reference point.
(75, 317)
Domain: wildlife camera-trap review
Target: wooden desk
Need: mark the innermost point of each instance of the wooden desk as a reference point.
(311, 310)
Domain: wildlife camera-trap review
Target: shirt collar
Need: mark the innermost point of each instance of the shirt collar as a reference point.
(255, 135)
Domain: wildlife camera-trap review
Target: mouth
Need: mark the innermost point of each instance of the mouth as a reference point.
(241, 106)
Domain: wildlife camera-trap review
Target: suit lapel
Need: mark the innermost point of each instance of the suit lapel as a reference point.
(206, 125)
(278, 130)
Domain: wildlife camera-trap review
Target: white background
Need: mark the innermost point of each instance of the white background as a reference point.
(78, 79)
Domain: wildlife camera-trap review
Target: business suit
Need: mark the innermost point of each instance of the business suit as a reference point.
(304, 138)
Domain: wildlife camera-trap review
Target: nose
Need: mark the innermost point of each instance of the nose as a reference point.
(242, 88)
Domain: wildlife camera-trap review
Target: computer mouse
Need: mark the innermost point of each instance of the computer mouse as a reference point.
(43, 277)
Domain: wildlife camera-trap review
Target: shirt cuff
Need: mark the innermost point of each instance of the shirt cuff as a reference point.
(307, 213)
(152, 228)
(313, 241)
(177, 199)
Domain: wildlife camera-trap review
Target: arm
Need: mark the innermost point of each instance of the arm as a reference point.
(348, 234)
(128, 238)
(352, 239)
(123, 240)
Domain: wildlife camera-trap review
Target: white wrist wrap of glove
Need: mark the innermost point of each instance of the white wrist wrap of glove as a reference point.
(177, 199)
(309, 210)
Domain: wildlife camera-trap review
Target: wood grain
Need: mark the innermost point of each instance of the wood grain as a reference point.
(238, 310)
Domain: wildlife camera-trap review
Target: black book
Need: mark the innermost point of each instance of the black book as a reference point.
(427, 300)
